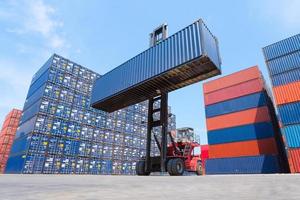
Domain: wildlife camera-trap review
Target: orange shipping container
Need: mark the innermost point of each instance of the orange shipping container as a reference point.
(245, 148)
(249, 116)
(242, 89)
(232, 79)
(287, 93)
(294, 160)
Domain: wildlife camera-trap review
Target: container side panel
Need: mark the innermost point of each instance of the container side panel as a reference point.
(232, 79)
(241, 133)
(286, 77)
(235, 91)
(250, 116)
(210, 45)
(287, 93)
(236, 105)
(243, 165)
(38, 83)
(244, 148)
(15, 164)
(284, 63)
(282, 47)
(292, 135)
(294, 159)
(289, 113)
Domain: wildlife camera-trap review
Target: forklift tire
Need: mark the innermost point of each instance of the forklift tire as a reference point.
(169, 166)
(140, 168)
(176, 167)
(199, 170)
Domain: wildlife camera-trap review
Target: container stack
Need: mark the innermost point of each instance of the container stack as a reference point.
(59, 133)
(241, 130)
(7, 135)
(283, 61)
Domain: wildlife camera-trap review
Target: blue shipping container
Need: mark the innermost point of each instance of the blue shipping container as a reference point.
(286, 77)
(162, 67)
(243, 165)
(15, 164)
(236, 105)
(292, 135)
(284, 63)
(241, 133)
(290, 113)
(282, 47)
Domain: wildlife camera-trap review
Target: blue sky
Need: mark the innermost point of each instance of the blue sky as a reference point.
(103, 34)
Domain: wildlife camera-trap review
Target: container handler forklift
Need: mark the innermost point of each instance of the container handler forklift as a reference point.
(176, 157)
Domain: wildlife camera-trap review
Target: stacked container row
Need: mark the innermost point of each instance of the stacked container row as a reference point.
(7, 134)
(242, 130)
(60, 133)
(283, 62)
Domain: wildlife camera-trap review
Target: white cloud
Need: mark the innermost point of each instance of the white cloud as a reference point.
(35, 17)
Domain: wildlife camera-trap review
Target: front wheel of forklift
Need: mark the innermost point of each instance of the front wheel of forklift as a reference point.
(175, 167)
(199, 170)
(140, 168)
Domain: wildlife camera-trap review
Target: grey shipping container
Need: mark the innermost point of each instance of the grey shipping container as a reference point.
(184, 58)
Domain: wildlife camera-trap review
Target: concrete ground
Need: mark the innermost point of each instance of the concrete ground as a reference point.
(44, 187)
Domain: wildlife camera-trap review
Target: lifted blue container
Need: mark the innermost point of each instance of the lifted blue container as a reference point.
(243, 165)
(184, 58)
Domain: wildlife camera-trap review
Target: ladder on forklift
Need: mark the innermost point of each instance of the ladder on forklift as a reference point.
(187, 150)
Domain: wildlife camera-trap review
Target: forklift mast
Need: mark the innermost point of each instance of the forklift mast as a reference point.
(158, 35)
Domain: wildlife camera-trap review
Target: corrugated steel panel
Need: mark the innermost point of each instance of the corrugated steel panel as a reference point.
(236, 105)
(244, 148)
(42, 70)
(232, 79)
(287, 93)
(250, 116)
(30, 112)
(289, 113)
(241, 133)
(15, 164)
(243, 165)
(38, 83)
(283, 64)
(186, 57)
(294, 160)
(239, 90)
(286, 77)
(282, 47)
(34, 97)
(7, 135)
(292, 135)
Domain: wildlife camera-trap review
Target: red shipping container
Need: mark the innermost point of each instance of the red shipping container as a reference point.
(204, 156)
(232, 79)
(249, 116)
(245, 148)
(242, 89)
(288, 93)
(294, 160)
(7, 135)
